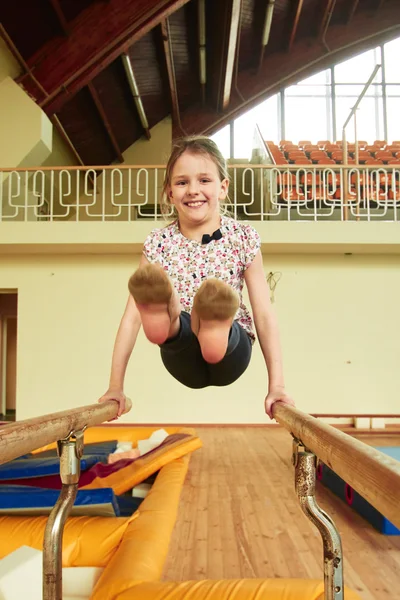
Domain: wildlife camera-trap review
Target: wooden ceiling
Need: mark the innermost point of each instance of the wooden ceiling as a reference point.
(76, 58)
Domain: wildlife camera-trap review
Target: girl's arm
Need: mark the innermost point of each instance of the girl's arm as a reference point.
(123, 347)
(124, 344)
(267, 332)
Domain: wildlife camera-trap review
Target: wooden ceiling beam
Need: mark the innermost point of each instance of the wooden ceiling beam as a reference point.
(263, 16)
(106, 122)
(67, 65)
(65, 137)
(295, 25)
(352, 10)
(222, 40)
(126, 61)
(58, 125)
(169, 64)
(305, 60)
(60, 16)
(326, 17)
(229, 51)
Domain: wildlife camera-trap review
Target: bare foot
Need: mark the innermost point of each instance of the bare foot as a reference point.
(214, 308)
(156, 301)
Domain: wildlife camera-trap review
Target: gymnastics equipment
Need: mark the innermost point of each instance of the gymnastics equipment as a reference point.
(363, 467)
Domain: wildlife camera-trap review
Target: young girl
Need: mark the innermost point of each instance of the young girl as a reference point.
(187, 291)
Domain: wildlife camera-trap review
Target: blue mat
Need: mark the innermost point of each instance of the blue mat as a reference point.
(97, 449)
(47, 462)
(26, 468)
(23, 500)
(339, 487)
(392, 451)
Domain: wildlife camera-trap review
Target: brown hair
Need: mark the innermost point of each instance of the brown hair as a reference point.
(196, 144)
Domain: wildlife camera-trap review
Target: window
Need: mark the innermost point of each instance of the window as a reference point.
(369, 118)
(265, 115)
(359, 68)
(369, 113)
(392, 107)
(306, 118)
(321, 78)
(392, 69)
(308, 105)
(223, 140)
(268, 119)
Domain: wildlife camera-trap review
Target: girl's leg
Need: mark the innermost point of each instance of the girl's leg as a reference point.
(157, 302)
(183, 358)
(236, 359)
(214, 308)
(164, 324)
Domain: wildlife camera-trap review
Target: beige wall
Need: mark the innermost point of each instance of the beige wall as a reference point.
(9, 66)
(24, 126)
(337, 314)
(61, 155)
(154, 151)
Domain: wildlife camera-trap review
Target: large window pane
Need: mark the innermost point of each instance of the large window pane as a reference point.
(393, 104)
(268, 118)
(307, 90)
(359, 68)
(392, 68)
(265, 115)
(321, 78)
(306, 119)
(355, 90)
(393, 90)
(223, 140)
(369, 118)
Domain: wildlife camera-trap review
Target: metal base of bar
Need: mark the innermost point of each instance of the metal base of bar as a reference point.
(305, 476)
(70, 450)
(52, 544)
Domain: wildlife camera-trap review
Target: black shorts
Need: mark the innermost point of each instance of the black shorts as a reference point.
(182, 357)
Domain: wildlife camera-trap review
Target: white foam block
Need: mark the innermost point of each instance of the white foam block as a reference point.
(362, 422)
(123, 447)
(21, 575)
(159, 436)
(79, 581)
(141, 490)
(156, 438)
(377, 423)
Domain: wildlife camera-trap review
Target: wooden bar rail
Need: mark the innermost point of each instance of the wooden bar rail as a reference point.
(22, 437)
(372, 474)
(375, 476)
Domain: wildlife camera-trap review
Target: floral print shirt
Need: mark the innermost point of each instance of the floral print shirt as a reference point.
(189, 262)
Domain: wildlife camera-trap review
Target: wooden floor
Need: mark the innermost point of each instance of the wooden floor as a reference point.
(239, 518)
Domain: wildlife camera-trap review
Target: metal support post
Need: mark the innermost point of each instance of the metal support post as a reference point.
(305, 474)
(70, 451)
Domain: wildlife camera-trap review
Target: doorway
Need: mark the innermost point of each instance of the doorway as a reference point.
(8, 354)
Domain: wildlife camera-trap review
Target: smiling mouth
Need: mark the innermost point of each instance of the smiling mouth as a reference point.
(195, 204)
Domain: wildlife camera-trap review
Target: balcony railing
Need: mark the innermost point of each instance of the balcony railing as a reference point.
(257, 192)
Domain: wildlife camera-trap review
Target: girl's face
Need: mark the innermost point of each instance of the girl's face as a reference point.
(196, 188)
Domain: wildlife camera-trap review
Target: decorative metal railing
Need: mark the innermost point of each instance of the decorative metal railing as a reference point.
(257, 192)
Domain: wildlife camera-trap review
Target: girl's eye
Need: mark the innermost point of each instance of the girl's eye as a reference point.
(180, 182)
(205, 181)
